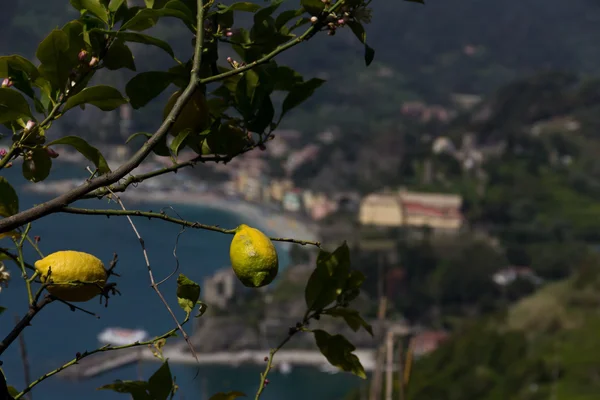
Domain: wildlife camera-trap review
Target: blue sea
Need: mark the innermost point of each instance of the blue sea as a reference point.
(57, 334)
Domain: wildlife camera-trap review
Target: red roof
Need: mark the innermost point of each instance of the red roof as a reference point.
(420, 208)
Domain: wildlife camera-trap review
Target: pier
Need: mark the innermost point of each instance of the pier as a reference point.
(100, 363)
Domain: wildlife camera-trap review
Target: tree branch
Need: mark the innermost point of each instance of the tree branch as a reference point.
(54, 205)
(23, 323)
(163, 216)
(98, 350)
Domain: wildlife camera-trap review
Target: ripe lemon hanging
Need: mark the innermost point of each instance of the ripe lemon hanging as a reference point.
(69, 266)
(253, 257)
(194, 116)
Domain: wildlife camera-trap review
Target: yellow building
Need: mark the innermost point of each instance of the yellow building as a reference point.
(396, 209)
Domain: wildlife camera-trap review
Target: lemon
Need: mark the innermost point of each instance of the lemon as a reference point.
(253, 257)
(69, 266)
(194, 116)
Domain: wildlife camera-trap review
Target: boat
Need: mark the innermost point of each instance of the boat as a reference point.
(328, 368)
(121, 336)
(285, 368)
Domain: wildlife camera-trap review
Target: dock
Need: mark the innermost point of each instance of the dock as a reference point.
(103, 362)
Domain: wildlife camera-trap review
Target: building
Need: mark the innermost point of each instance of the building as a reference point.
(292, 201)
(427, 341)
(221, 287)
(438, 211)
(508, 275)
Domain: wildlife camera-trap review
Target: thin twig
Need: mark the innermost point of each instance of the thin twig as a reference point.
(24, 358)
(98, 350)
(21, 263)
(23, 323)
(182, 222)
(74, 308)
(152, 280)
(15, 258)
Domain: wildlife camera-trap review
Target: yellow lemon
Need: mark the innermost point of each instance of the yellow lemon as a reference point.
(253, 257)
(194, 116)
(69, 267)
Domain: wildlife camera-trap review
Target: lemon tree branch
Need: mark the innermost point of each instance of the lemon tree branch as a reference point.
(163, 216)
(59, 202)
(24, 322)
(98, 350)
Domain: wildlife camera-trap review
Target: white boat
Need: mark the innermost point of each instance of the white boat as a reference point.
(285, 368)
(121, 337)
(328, 368)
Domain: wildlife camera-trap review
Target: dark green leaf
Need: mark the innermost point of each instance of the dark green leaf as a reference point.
(119, 56)
(338, 351)
(92, 6)
(416, 1)
(12, 106)
(358, 30)
(9, 201)
(104, 97)
(144, 87)
(352, 318)
(264, 117)
(227, 396)
(17, 63)
(188, 293)
(138, 389)
(287, 16)
(38, 167)
(369, 55)
(328, 280)
(160, 383)
(88, 151)
(266, 12)
(313, 7)
(147, 18)
(52, 53)
(178, 140)
(2, 309)
(240, 6)
(355, 280)
(286, 78)
(114, 5)
(161, 148)
(300, 93)
(145, 39)
(12, 391)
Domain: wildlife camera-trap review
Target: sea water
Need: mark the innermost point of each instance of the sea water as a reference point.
(57, 334)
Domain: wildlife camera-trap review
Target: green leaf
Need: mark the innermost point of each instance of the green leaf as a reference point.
(119, 56)
(12, 391)
(9, 200)
(227, 396)
(104, 97)
(38, 167)
(13, 106)
(160, 383)
(329, 278)
(240, 6)
(313, 7)
(178, 140)
(369, 55)
(300, 93)
(352, 318)
(52, 53)
(188, 293)
(17, 63)
(161, 148)
(147, 18)
(149, 3)
(92, 6)
(137, 389)
(2, 309)
(287, 16)
(88, 151)
(338, 351)
(144, 87)
(137, 37)
(263, 117)
(114, 5)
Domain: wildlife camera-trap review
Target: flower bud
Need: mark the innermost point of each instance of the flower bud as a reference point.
(2, 153)
(262, 147)
(229, 60)
(6, 83)
(82, 56)
(10, 164)
(93, 61)
(37, 239)
(331, 32)
(30, 125)
(229, 34)
(341, 21)
(314, 19)
(51, 152)
(266, 359)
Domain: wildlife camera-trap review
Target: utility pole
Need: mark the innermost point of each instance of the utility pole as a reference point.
(377, 375)
(389, 365)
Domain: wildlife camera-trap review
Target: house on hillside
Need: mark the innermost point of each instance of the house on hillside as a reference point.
(221, 288)
(425, 342)
(439, 211)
